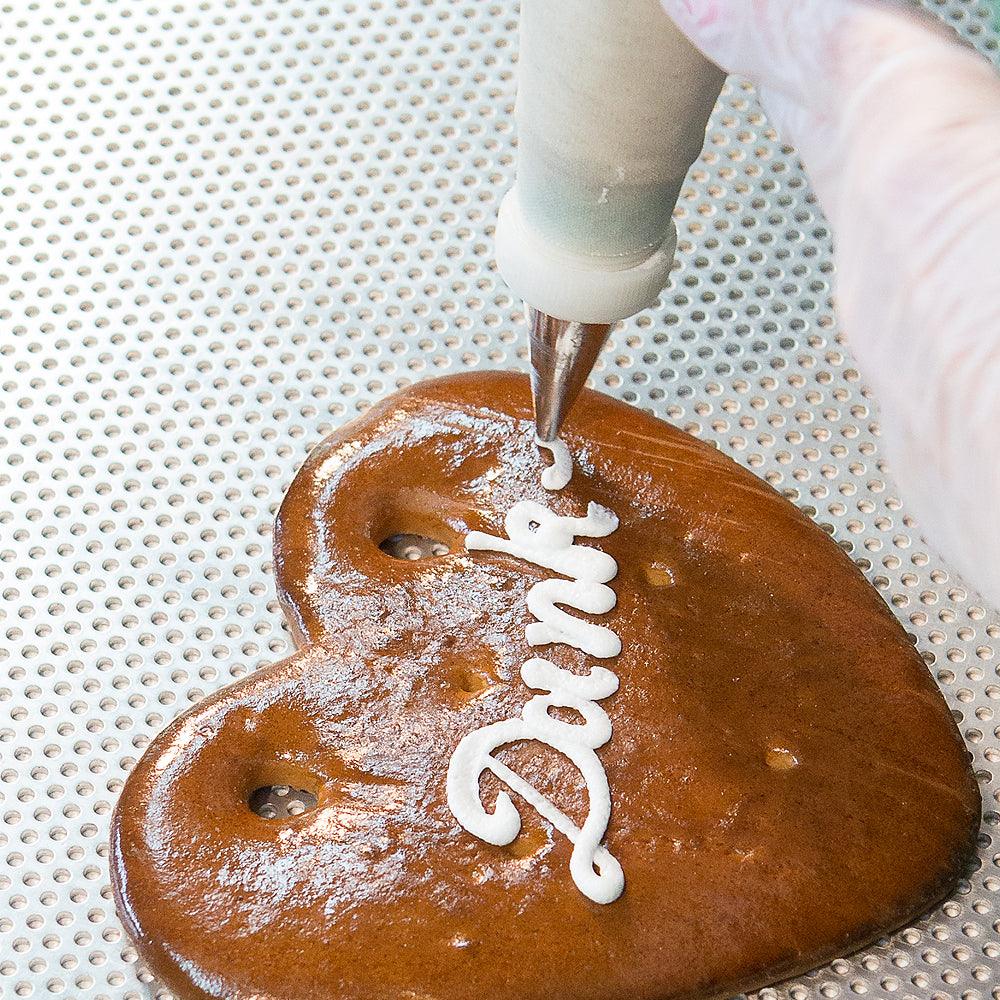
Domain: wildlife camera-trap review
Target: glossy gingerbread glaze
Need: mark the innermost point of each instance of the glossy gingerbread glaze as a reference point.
(787, 781)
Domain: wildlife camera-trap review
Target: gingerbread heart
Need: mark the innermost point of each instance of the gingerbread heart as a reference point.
(786, 782)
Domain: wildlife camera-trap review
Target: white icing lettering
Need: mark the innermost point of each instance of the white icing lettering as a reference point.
(555, 625)
(538, 536)
(594, 870)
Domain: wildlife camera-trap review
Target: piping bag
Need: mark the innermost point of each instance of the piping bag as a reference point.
(611, 112)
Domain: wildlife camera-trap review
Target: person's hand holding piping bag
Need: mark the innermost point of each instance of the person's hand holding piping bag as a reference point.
(898, 125)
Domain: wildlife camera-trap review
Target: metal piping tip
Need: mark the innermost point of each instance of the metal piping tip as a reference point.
(563, 354)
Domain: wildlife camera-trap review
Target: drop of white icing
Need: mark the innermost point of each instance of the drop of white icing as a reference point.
(538, 536)
(559, 473)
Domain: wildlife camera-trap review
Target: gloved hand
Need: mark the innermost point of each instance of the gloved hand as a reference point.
(898, 125)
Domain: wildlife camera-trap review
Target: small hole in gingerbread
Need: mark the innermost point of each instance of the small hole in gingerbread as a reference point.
(281, 801)
(780, 759)
(413, 547)
(470, 681)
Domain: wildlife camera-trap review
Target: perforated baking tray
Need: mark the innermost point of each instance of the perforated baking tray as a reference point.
(227, 227)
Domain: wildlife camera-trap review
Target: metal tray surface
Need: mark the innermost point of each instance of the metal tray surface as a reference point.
(227, 227)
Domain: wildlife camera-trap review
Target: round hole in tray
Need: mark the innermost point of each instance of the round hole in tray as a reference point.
(413, 547)
(281, 801)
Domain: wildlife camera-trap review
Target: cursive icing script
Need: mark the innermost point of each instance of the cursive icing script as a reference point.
(538, 536)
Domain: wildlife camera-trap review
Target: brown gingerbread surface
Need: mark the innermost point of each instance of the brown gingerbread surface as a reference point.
(787, 782)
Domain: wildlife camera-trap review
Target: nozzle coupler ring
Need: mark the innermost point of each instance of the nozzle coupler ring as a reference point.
(577, 287)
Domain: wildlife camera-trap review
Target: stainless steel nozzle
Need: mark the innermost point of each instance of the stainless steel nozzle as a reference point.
(563, 354)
